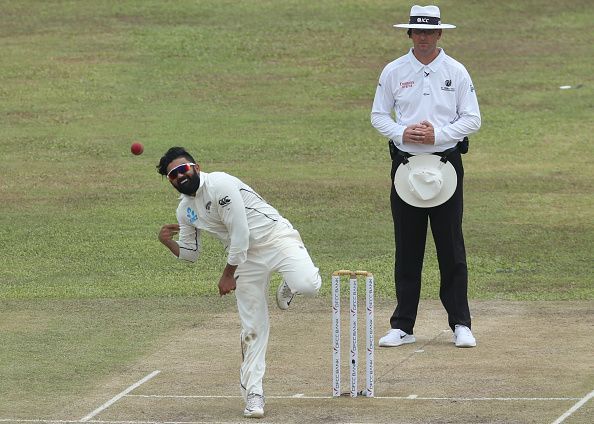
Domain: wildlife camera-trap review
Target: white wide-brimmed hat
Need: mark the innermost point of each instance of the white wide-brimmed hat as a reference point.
(425, 17)
(425, 181)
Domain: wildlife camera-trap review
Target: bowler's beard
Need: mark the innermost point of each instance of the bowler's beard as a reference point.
(189, 185)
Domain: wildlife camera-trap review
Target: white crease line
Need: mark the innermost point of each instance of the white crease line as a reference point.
(119, 396)
(575, 407)
(580, 403)
(117, 422)
(411, 397)
(14, 420)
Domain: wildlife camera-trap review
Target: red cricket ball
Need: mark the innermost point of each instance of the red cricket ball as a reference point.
(137, 148)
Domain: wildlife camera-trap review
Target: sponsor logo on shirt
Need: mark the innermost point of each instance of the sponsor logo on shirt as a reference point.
(448, 86)
(191, 215)
(224, 201)
(208, 205)
(407, 84)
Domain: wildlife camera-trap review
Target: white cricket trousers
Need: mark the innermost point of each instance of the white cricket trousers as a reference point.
(285, 253)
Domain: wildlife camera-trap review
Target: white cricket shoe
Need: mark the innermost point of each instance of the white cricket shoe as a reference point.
(396, 337)
(463, 336)
(284, 296)
(254, 406)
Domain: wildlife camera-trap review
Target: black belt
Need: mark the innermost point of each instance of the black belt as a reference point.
(461, 147)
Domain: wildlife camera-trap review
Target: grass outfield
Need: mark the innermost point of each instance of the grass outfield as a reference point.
(277, 93)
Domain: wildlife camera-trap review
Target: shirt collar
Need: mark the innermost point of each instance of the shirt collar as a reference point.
(203, 176)
(433, 66)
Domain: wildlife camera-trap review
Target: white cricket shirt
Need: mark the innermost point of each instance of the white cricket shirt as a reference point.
(228, 209)
(441, 93)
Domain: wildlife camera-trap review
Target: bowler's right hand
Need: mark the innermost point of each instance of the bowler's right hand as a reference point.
(167, 232)
(166, 237)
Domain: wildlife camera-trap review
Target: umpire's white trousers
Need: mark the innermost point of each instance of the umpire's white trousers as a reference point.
(285, 253)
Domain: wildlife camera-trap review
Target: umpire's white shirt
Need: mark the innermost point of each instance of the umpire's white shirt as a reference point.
(230, 210)
(441, 93)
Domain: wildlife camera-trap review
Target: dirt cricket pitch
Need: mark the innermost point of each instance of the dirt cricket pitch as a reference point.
(534, 362)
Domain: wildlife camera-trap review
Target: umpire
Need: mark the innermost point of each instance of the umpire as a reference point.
(435, 108)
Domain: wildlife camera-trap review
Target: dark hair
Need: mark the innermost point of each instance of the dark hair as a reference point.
(170, 156)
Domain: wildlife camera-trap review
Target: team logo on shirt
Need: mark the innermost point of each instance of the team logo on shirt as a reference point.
(224, 201)
(191, 215)
(407, 84)
(447, 86)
